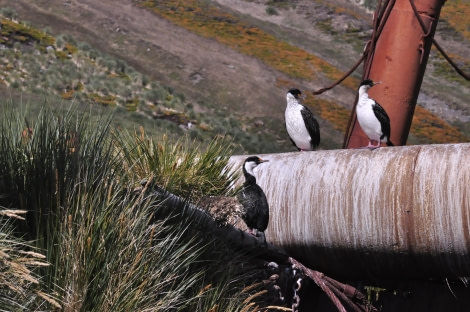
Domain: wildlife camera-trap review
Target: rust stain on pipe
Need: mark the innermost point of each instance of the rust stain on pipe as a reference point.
(362, 213)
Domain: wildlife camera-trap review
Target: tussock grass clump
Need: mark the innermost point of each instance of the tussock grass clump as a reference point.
(19, 289)
(181, 168)
(111, 247)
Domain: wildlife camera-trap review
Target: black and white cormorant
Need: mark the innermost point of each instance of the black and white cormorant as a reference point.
(372, 118)
(251, 196)
(302, 127)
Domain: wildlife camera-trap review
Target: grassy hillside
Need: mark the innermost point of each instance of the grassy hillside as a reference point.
(62, 70)
(76, 71)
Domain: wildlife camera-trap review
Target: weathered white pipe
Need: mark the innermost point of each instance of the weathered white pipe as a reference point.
(380, 214)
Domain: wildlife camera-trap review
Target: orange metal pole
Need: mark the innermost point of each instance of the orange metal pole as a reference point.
(399, 61)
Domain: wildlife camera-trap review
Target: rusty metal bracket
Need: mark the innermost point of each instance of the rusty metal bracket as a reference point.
(426, 32)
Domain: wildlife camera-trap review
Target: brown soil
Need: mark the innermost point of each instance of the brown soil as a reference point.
(163, 51)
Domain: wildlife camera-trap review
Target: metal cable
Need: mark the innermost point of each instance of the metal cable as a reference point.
(439, 48)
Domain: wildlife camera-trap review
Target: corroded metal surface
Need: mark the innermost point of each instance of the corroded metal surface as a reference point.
(401, 210)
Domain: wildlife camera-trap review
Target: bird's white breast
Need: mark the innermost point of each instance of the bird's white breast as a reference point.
(295, 126)
(367, 119)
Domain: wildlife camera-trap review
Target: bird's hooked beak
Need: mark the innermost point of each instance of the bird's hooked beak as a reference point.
(376, 83)
(263, 160)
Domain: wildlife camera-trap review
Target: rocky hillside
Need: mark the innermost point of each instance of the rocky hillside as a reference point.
(221, 67)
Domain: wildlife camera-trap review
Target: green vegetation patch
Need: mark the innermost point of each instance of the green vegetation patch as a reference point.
(456, 13)
(102, 99)
(12, 31)
(432, 129)
(442, 68)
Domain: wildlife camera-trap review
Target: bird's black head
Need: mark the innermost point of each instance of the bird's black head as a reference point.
(251, 163)
(368, 83)
(295, 92)
(255, 159)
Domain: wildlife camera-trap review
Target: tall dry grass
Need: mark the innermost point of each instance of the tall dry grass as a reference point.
(109, 247)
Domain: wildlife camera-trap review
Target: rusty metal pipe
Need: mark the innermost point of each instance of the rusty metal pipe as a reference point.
(401, 212)
(399, 61)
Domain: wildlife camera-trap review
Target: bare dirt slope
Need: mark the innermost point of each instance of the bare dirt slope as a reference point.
(163, 51)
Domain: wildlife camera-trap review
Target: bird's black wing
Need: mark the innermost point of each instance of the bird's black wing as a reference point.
(383, 118)
(263, 212)
(312, 126)
(256, 208)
